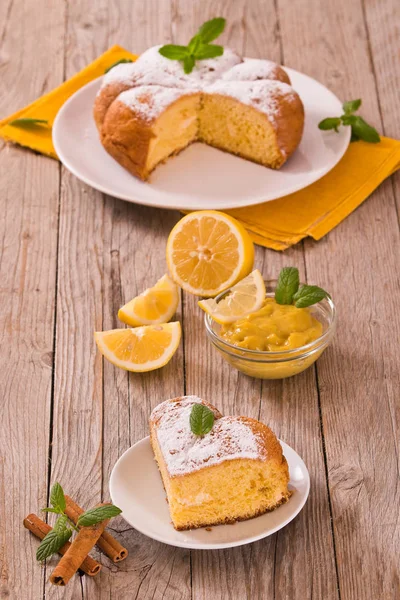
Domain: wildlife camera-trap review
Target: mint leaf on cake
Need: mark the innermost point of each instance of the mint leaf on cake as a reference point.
(199, 47)
(201, 419)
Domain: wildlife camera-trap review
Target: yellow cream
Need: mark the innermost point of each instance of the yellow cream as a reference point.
(275, 328)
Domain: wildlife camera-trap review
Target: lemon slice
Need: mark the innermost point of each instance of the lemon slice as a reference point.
(208, 252)
(142, 348)
(155, 305)
(245, 297)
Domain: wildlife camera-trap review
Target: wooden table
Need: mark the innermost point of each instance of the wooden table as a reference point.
(70, 257)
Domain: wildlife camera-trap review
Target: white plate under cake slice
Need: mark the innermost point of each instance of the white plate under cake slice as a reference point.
(235, 472)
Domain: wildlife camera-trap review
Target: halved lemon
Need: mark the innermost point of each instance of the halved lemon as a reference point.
(142, 348)
(208, 252)
(245, 297)
(155, 305)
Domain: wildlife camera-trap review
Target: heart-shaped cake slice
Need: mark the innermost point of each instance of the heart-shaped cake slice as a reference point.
(236, 471)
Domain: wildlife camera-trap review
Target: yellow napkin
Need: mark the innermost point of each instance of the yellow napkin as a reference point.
(321, 206)
(279, 224)
(39, 137)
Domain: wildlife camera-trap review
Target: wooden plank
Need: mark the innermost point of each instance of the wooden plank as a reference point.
(382, 26)
(28, 234)
(258, 570)
(357, 377)
(78, 398)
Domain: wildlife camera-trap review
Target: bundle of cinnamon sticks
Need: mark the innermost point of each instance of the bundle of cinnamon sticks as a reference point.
(75, 553)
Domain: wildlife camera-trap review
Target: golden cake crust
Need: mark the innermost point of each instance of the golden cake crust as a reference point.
(126, 137)
(126, 134)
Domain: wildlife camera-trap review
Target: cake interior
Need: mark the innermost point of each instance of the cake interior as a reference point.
(218, 121)
(229, 125)
(232, 490)
(175, 129)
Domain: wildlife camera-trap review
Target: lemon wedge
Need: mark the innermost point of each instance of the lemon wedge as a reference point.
(208, 252)
(140, 349)
(245, 297)
(155, 305)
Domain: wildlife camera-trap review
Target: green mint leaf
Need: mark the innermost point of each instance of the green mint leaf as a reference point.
(174, 52)
(308, 295)
(348, 119)
(354, 137)
(28, 122)
(194, 43)
(208, 51)
(364, 131)
(287, 286)
(61, 524)
(201, 419)
(210, 30)
(98, 514)
(351, 106)
(188, 64)
(51, 543)
(329, 123)
(57, 498)
(119, 62)
(51, 510)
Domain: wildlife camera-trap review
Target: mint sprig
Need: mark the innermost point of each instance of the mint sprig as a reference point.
(289, 291)
(360, 129)
(308, 295)
(199, 47)
(63, 527)
(201, 419)
(53, 541)
(98, 514)
(57, 498)
(288, 284)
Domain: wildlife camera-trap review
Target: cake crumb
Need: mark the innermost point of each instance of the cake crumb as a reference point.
(208, 528)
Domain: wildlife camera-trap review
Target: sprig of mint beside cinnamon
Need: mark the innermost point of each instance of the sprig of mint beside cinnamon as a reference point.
(199, 47)
(64, 526)
(360, 129)
(289, 290)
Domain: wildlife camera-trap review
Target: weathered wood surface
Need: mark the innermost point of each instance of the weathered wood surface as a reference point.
(71, 256)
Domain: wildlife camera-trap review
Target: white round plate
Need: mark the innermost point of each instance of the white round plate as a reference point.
(136, 487)
(201, 177)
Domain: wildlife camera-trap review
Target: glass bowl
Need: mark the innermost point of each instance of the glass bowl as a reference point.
(275, 365)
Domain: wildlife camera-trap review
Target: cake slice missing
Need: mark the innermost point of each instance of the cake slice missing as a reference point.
(236, 471)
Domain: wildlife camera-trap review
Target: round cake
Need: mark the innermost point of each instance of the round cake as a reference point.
(149, 110)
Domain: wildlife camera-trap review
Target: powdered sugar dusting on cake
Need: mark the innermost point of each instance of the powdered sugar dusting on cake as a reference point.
(149, 101)
(254, 69)
(184, 452)
(211, 69)
(151, 68)
(265, 95)
(123, 73)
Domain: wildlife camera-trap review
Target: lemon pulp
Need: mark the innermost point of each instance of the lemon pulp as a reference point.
(208, 252)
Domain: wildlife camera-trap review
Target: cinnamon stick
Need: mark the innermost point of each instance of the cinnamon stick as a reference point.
(107, 543)
(75, 555)
(40, 529)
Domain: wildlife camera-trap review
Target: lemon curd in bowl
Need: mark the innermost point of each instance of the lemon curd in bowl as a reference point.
(277, 341)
